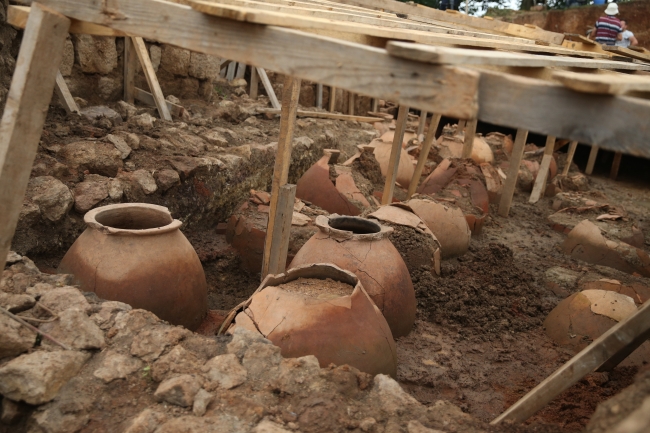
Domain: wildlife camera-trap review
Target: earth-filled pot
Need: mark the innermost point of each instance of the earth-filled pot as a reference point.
(362, 246)
(339, 327)
(135, 253)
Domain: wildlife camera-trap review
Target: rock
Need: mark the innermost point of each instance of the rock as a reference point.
(105, 317)
(53, 420)
(37, 377)
(267, 426)
(102, 112)
(156, 54)
(137, 183)
(144, 121)
(367, 424)
(115, 189)
(217, 423)
(166, 179)
(392, 398)
(214, 137)
(11, 412)
(96, 157)
(201, 401)
(68, 59)
(150, 343)
(52, 197)
(75, 329)
(175, 60)
(225, 371)
(108, 87)
(173, 99)
(96, 54)
(39, 289)
(186, 166)
(132, 140)
(126, 110)
(16, 303)
(146, 422)
(242, 340)
(417, 427)
(117, 366)
(13, 257)
(238, 82)
(177, 361)
(204, 67)
(179, 390)
(14, 337)
(64, 298)
(260, 359)
(88, 193)
(304, 142)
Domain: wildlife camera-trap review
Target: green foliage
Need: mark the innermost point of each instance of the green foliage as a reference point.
(476, 7)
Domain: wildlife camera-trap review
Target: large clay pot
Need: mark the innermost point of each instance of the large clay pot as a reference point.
(340, 330)
(135, 253)
(362, 246)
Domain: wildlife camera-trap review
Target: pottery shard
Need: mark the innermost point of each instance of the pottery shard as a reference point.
(120, 145)
(88, 193)
(179, 390)
(96, 54)
(150, 343)
(175, 60)
(146, 422)
(14, 338)
(64, 298)
(75, 329)
(96, 157)
(37, 377)
(52, 197)
(117, 366)
(165, 179)
(225, 371)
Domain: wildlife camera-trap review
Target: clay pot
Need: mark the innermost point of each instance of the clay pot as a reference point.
(336, 329)
(405, 168)
(452, 147)
(447, 223)
(362, 246)
(135, 253)
(389, 136)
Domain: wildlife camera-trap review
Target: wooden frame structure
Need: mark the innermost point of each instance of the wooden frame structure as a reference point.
(533, 80)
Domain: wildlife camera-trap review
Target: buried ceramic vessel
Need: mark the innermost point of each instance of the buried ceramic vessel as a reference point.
(336, 328)
(136, 254)
(362, 246)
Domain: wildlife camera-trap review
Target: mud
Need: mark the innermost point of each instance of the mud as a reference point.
(320, 289)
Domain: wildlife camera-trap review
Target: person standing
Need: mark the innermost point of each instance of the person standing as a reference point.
(607, 27)
(627, 37)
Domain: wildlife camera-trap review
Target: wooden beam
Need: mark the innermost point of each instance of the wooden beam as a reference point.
(17, 17)
(542, 174)
(605, 347)
(375, 105)
(569, 157)
(616, 164)
(468, 143)
(147, 98)
(319, 95)
(422, 124)
(241, 70)
(609, 84)
(255, 81)
(40, 55)
(325, 115)
(130, 68)
(277, 216)
(332, 99)
(268, 87)
(513, 172)
(424, 154)
(152, 80)
(396, 150)
(65, 97)
(591, 162)
(276, 262)
(230, 72)
(460, 127)
(640, 55)
(351, 103)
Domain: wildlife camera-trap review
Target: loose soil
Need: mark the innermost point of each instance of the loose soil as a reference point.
(316, 288)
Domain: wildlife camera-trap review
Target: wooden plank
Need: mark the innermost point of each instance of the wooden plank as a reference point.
(268, 87)
(609, 84)
(275, 231)
(393, 162)
(152, 80)
(460, 127)
(422, 124)
(464, 56)
(470, 133)
(542, 174)
(17, 17)
(255, 81)
(608, 345)
(332, 99)
(627, 52)
(230, 72)
(65, 97)
(324, 115)
(276, 262)
(241, 70)
(147, 98)
(130, 68)
(569, 157)
(591, 162)
(369, 71)
(40, 55)
(616, 164)
(513, 172)
(350, 103)
(319, 95)
(375, 105)
(424, 154)
(585, 46)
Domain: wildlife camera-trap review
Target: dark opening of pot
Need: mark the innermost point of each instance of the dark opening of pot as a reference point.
(133, 218)
(358, 226)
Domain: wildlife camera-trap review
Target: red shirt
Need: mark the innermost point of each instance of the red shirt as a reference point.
(607, 29)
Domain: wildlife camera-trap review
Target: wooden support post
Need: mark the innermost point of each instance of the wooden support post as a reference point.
(281, 231)
(241, 70)
(40, 55)
(274, 250)
(351, 103)
(230, 72)
(592, 160)
(62, 91)
(542, 174)
(461, 126)
(269, 89)
(513, 172)
(569, 157)
(152, 80)
(424, 154)
(130, 67)
(470, 132)
(393, 162)
(332, 99)
(255, 81)
(319, 95)
(375, 105)
(606, 350)
(147, 98)
(422, 124)
(613, 174)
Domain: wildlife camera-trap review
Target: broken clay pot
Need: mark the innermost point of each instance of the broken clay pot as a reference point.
(136, 254)
(447, 223)
(362, 246)
(342, 327)
(405, 168)
(452, 147)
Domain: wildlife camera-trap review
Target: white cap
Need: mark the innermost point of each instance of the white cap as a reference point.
(612, 9)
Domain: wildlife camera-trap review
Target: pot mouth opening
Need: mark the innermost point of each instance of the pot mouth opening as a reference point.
(132, 218)
(358, 226)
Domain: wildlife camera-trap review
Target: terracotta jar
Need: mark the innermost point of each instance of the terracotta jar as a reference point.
(344, 327)
(136, 254)
(362, 246)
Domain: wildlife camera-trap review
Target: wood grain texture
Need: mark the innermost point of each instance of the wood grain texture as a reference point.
(152, 79)
(569, 157)
(393, 162)
(65, 97)
(591, 162)
(281, 232)
(640, 55)
(332, 106)
(130, 68)
(269, 88)
(468, 142)
(542, 175)
(616, 165)
(255, 82)
(17, 17)
(40, 55)
(513, 172)
(603, 84)
(424, 154)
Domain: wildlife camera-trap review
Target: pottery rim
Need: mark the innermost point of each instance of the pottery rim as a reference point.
(132, 219)
(342, 227)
